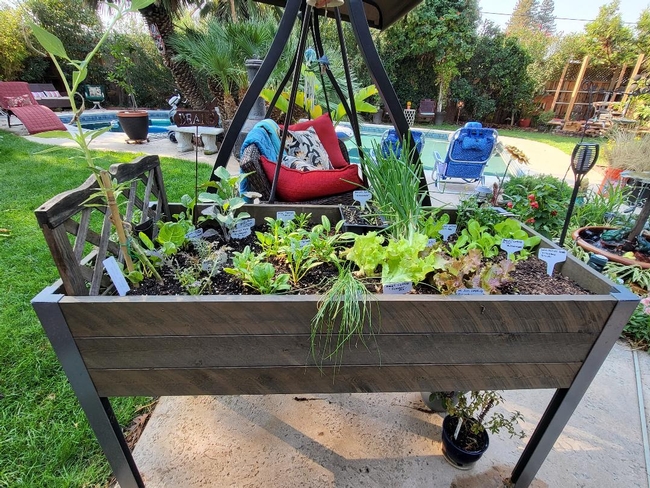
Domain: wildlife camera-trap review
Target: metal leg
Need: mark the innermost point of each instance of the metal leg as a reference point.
(383, 84)
(256, 86)
(565, 401)
(97, 409)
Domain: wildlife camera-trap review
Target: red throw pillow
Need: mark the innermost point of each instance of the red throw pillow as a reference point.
(327, 135)
(19, 101)
(298, 186)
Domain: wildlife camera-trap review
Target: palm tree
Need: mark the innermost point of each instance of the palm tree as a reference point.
(159, 17)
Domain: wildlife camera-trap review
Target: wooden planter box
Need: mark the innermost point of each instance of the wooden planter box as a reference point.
(232, 345)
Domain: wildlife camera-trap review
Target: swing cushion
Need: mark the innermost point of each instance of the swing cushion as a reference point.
(297, 186)
(327, 135)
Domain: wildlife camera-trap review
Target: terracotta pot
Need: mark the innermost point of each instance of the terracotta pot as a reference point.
(135, 124)
(524, 122)
(603, 252)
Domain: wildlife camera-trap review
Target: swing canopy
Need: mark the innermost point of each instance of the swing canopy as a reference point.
(381, 14)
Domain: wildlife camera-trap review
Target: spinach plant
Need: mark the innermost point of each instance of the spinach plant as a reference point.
(251, 269)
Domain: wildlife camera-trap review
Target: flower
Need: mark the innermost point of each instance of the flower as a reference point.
(509, 204)
(530, 221)
(534, 204)
(531, 197)
(553, 213)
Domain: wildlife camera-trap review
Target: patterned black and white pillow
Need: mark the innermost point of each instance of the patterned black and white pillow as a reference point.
(307, 146)
(297, 163)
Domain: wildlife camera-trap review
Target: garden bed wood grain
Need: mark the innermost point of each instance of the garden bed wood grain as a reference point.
(231, 345)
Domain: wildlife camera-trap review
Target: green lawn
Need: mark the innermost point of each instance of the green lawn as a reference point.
(44, 437)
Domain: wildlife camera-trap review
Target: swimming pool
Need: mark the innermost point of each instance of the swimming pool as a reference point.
(434, 141)
(158, 120)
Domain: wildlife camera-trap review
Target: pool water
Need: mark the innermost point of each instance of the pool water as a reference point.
(155, 125)
(432, 143)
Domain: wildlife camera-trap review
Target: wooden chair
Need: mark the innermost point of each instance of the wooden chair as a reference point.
(77, 226)
(426, 111)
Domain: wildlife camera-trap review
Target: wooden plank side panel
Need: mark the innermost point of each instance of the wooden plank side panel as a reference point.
(143, 316)
(350, 379)
(294, 350)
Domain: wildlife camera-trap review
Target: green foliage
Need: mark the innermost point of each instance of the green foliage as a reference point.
(171, 237)
(13, 51)
(630, 273)
(511, 229)
(539, 200)
(476, 236)
(469, 208)
(299, 257)
(608, 41)
(600, 208)
(478, 406)
(638, 327)
(344, 315)
(257, 274)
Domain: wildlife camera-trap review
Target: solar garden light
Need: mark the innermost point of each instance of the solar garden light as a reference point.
(583, 158)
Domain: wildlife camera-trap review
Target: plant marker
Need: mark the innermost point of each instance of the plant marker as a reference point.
(286, 216)
(116, 275)
(448, 230)
(362, 196)
(551, 257)
(510, 246)
(457, 431)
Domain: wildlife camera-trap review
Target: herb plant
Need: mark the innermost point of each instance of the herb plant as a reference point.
(257, 274)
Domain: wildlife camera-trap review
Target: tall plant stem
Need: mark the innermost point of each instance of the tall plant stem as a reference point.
(115, 217)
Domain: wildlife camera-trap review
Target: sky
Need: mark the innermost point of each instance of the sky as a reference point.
(570, 9)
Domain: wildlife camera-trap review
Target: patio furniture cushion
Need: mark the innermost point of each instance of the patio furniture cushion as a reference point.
(306, 145)
(19, 101)
(297, 186)
(327, 135)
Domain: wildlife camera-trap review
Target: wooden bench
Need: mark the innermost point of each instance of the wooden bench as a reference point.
(258, 345)
(44, 93)
(208, 136)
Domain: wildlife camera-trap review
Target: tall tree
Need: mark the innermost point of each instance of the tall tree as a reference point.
(643, 34)
(523, 16)
(608, 40)
(159, 17)
(546, 16)
(12, 45)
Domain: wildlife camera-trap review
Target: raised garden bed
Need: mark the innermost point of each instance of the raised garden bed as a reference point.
(251, 344)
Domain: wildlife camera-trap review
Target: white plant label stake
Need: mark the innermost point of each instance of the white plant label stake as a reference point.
(457, 431)
(447, 230)
(431, 242)
(551, 257)
(286, 216)
(362, 196)
(113, 270)
(470, 291)
(304, 242)
(195, 234)
(397, 288)
(240, 232)
(511, 246)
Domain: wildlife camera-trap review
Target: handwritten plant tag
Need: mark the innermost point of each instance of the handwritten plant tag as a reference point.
(305, 242)
(551, 257)
(209, 233)
(240, 233)
(397, 288)
(113, 270)
(448, 230)
(195, 234)
(431, 242)
(470, 291)
(362, 196)
(511, 246)
(246, 223)
(286, 215)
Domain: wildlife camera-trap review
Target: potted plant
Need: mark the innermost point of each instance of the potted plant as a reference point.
(465, 429)
(627, 245)
(543, 119)
(134, 122)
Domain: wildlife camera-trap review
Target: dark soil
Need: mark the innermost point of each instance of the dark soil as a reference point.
(528, 278)
(355, 216)
(466, 440)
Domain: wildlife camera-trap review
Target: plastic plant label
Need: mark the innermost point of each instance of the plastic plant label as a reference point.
(397, 288)
(113, 270)
(362, 196)
(209, 233)
(470, 291)
(240, 233)
(551, 257)
(246, 223)
(511, 246)
(195, 234)
(448, 230)
(431, 242)
(206, 264)
(286, 216)
(304, 242)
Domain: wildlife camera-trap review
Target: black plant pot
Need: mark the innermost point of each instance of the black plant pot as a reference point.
(354, 220)
(458, 457)
(439, 118)
(145, 227)
(135, 124)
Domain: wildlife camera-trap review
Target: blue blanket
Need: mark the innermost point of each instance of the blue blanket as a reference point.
(266, 136)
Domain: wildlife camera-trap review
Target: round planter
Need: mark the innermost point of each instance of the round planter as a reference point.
(457, 457)
(603, 252)
(524, 122)
(135, 124)
(440, 118)
(436, 403)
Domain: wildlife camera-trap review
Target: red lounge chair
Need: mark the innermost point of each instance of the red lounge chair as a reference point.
(16, 99)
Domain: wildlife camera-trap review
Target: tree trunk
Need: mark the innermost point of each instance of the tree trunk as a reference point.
(158, 17)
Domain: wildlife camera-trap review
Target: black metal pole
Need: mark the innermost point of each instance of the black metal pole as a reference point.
(270, 60)
(320, 53)
(292, 98)
(281, 86)
(572, 202)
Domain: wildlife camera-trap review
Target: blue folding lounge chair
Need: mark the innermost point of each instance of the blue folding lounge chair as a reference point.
(469, 151)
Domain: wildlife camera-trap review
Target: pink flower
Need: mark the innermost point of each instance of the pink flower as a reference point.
(534, 204)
